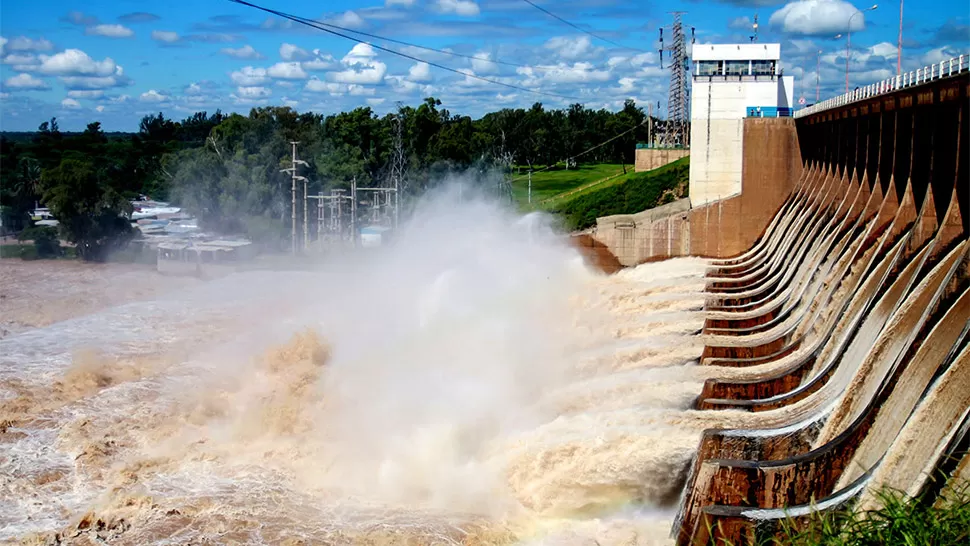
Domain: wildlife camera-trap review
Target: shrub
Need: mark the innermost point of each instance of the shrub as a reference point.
(899, 520)
(46, 242)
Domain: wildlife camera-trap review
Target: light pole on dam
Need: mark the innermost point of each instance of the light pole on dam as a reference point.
(848, 40)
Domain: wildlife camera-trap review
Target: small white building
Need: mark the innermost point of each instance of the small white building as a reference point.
(372, 236)
(730, 82)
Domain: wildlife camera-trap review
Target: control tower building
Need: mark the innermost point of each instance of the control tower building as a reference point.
(730, 82)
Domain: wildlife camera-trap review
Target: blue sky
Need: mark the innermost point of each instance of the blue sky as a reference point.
(116, 61)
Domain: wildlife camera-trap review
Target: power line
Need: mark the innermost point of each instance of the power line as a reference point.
(316, 25)
(426, 48)
(551, 14)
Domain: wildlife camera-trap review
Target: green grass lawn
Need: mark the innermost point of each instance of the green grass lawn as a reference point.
(548, 184)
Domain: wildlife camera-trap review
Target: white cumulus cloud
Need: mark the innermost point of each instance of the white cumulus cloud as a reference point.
(360, 91)
(25, 81)
(362, 67)
(467, 8)
(564, 73)
(93, 82)
(99, 108)
(287, 71)
(249, 76)
(152, 96)
(349, 19)
(110, 31)
(253, 92)
(817, 17)
(70, 103)
(86, 94)
(166, 36)
(320, 61)
(317, 85)
(360, 53)
(390, 3)
(627, 84)
(244, 52)
(74, 62)
(290, 52)
(23, 43)
(22, 62)
(482, 64)
(370, 74)
(420, 72)
(193, 89)
(571, 48)
(939, 55)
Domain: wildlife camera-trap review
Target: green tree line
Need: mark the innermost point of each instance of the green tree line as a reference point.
(226, 169)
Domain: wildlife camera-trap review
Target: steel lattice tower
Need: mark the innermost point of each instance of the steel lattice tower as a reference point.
(678, 103)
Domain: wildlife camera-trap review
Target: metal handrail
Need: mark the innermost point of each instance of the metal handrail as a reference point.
(943, 69)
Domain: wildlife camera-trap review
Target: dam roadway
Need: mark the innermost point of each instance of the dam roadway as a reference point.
(839, 290)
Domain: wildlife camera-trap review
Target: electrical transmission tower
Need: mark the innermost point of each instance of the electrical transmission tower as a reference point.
(676, 129)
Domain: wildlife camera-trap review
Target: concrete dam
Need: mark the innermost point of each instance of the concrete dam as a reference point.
(838, 302)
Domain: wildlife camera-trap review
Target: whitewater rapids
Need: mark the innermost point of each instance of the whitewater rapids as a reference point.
(475, 383)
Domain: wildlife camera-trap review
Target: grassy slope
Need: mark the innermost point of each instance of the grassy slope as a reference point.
(623, 195)
(548, 184)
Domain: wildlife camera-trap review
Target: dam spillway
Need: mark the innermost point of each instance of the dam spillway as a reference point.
(811, 349)
(843, 329)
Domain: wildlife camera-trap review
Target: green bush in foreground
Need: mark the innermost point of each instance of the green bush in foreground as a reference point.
(640, 192)
(46, 242)
(901, 520)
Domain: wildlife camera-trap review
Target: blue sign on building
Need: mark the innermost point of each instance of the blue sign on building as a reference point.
(769, 112)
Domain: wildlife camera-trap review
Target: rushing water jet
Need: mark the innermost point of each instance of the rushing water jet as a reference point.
(433, 390)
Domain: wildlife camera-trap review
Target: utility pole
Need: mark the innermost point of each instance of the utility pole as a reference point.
(397, 201)
(306, 231)
(530, 185)
(293, 178)
(650, 124)
(340, 214)
(320, 218)
(293, 200)
(353, 211)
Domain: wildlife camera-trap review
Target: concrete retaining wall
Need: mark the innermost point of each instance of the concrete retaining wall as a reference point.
(661, 232)
(650, 159)
(771, 166)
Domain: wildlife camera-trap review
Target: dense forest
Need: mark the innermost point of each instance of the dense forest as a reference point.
(226, 169)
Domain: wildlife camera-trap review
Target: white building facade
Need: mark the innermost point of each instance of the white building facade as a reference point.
(730, 82)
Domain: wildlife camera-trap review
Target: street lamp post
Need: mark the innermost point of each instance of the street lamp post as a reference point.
(899, 47)
(848, 40)
(818, 62)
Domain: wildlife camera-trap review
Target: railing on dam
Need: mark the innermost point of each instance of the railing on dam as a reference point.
(943, 69)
